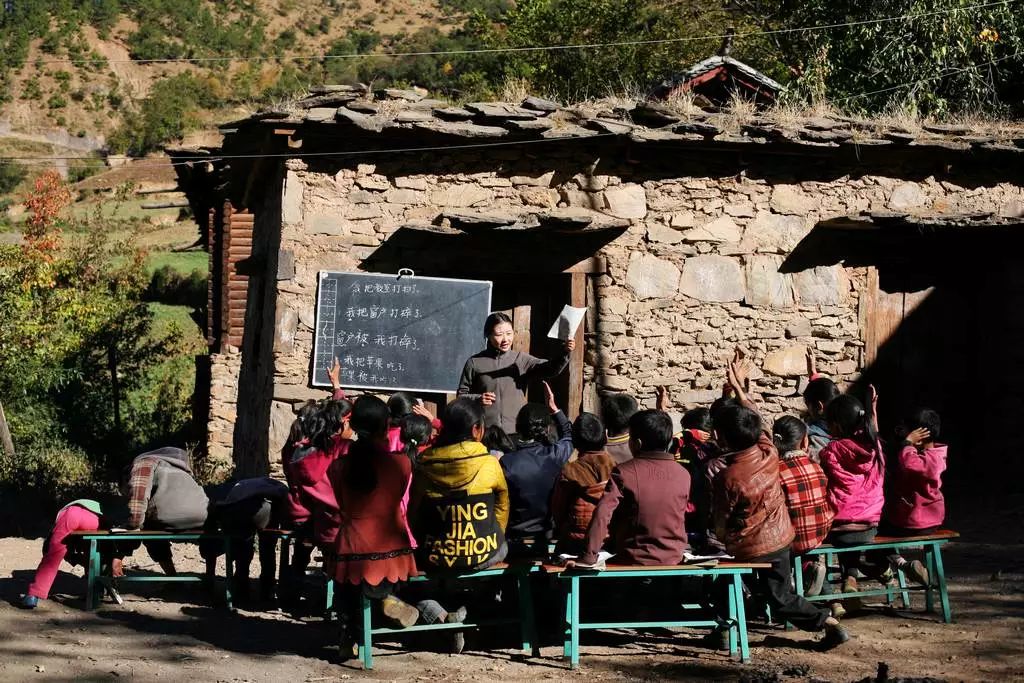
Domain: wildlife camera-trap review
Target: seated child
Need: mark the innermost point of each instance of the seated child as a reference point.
(917, 506)
(855, 467)
(806, 489)
(818, 393)
(531, 471)
(751, 519)
(164, 495)
(581, 485)
(78, 515)
(616, 410)
(497, 441)
(642, 510)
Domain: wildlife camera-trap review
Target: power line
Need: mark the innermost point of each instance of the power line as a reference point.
(539, 48)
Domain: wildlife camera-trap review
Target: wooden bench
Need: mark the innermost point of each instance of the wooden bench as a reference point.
(286, 537)
(525, 619)
(94, 580)
(732, 572)
(932, 545)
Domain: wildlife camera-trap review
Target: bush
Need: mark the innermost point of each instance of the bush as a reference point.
(11, 175)
(169, 286)
(56, 471)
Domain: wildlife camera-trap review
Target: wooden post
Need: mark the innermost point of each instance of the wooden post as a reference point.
(5, 434)
(578, 298)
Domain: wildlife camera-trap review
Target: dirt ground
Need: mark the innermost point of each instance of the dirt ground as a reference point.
(176, 633)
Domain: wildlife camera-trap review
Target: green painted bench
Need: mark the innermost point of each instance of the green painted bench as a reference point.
(286, 537)
(932, 545)
(525, 620)
(95, 582)
(731, 572)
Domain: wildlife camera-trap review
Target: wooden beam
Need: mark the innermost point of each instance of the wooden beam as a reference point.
(577, 297)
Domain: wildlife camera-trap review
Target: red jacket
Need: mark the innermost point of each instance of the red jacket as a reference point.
(856, 473)
(917, 501)
(576, 494)
(310, 492)
(806, 489)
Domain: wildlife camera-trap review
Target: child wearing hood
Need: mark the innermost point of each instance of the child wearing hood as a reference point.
(580, 486)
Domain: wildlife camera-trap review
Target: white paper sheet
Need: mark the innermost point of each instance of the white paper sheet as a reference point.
(567, 323)
(689, 557)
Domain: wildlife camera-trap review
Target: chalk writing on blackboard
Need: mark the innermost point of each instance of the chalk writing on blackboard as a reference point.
(413, 334)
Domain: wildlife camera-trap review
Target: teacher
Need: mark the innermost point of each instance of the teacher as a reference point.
(498, 376)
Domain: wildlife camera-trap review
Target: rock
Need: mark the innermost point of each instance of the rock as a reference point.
(616, 383)
(284, 329)
(285, 264)
(685, 219)
(771, 232)
(801, 327)
(789, 361)
(626, 201)
(373, 182)
(363, 121)
(453, 114)
(543, 197)
(281, 418)
(846, 367)
(321, 114)
(543, 180)
(462, 129)
(362, 197)
(766, 286)
(291, 201)
(566, 219)
(399, 94)
(406, 183)
(500, 110)
(460, 195)
(657, 232)
(414, 116)
(405, 196)
(468, 220)
(307, 317)
(722, 229)
(791, 200)
(651, 277)
(1012, 209)
(697, 397)
(908, 196)
(821, 286)
(740, 209)
(712, 278)
(539, 104)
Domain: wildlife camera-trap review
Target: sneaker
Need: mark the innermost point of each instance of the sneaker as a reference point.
(917, 572)
(718, 639)
(834, 637)
(458, 637)
(814, 578)
(29, 602)
(850, 586)
(837, 609)
(400, 611)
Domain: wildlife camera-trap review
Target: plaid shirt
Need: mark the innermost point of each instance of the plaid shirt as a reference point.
(806, 487)
(140, 485)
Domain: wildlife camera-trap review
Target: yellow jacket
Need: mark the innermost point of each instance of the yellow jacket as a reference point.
(466, 467)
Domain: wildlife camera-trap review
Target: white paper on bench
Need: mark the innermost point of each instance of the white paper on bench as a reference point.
(688, 557)
(602, 559)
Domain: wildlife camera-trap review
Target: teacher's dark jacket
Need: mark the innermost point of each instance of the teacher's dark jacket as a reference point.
(508, 375)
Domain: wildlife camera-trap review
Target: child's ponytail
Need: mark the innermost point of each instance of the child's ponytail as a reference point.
(416, 431)
(370, 423)
(846, 417)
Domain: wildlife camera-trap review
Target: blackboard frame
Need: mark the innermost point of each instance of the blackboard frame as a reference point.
(392, 277)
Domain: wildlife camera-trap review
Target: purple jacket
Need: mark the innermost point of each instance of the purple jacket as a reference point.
(856, 472)
(917, 501)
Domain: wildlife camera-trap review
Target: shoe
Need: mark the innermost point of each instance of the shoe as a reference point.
(29, 602)
(814, 578)
(850, 586)
(918, 572)
(717, 640)
(834, 637)
(837, 609)
(458, 637)
(887, 577)
(347, 646)
(399, 611)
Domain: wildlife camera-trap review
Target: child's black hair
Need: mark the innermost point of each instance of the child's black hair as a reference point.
(400, 404)
(493, 320)
(533, 423)
(820, 390)
(496, 439)
(370, 422)
(652, 429)
(698, 418)
(737, 427)
(458, 420)
(616, 412)
(787, 433)
(846, 416)
(588, 433)
(328, 422)
(925, 418)
(416, 430)
(721, 404)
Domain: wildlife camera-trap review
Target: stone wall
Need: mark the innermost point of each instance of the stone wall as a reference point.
(695, 274)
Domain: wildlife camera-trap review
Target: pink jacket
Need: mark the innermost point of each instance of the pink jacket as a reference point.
(856, 472)
(917, 501)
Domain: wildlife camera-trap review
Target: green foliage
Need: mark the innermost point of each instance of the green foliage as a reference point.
(170, 110)
(191, 28)
(57, 471)
(169, 286)
(11, 175)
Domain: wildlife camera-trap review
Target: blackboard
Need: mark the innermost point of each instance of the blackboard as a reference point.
(398, 333)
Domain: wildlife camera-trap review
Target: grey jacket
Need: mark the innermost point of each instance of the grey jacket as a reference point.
(174, 500)
(508, 375)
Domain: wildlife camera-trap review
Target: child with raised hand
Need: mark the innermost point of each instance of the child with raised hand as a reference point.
(616, 411)
(819, 392)
(531, 472)
(751, 519)
(581, 484)
(806, 489)
(916, 506)
(854, 464)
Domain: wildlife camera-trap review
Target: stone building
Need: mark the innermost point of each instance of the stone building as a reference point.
(891, 252)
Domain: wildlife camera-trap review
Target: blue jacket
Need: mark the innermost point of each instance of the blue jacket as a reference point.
(531, 473)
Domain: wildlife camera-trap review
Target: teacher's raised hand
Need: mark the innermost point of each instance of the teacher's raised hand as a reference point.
(570, 345)
(488, 398)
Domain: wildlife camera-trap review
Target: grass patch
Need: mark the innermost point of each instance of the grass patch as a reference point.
(182, 261)
(166, 317)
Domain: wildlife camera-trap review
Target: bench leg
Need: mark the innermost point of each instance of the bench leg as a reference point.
(798, 581)
(567, 631)
(229, 572)
(574, 624)
(527, 623)
(929, 563)
(741, 618)
(940, 575)
(901, 576)
(329, 599)
(283, 563)
(92, 576)
(367, 642)
(733, 622)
